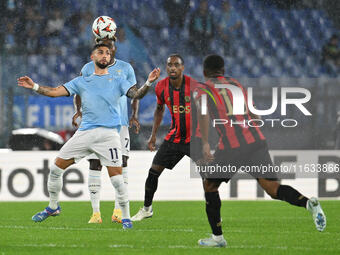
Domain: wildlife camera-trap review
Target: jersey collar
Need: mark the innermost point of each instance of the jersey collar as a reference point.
(114, 62)
(182, 85)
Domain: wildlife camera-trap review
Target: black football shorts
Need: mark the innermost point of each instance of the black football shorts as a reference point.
(169, 154)
(252, 160)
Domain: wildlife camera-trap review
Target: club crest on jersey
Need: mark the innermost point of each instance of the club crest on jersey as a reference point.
(119, 71)
(168, 98)
(187, 99)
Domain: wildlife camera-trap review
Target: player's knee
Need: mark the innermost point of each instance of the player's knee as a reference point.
(271, 190)
(95, 164)
(272, 194)
(270, 187)
(125, 161)
(157, 168)
(63, 163)
(154, 172)
(151, 182)
(210, 186)
(113, 171)
(59, 162)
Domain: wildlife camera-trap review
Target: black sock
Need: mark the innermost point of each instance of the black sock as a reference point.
(151, 184)
(291, 195)
(212, 208)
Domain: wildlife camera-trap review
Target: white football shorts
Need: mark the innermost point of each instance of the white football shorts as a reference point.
(124, 140)
(103, 142)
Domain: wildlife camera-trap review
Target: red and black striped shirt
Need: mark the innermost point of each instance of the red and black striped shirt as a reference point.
(178, 103)
(220, 102)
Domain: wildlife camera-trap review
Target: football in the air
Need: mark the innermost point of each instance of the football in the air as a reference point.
(104, 27)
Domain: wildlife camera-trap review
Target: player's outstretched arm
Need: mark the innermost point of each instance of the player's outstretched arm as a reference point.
(134, 115)
(77, 109)
(28, 83)
(158, 117)
(136, 93)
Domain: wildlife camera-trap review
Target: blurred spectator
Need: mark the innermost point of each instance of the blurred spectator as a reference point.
(148, 17)
(201, 29)
(54, 4)
(32, 42)
(331, 54)
(86, 28)
(33, 19)
(73, 22)
(86, 38)
(285, 4)
(177, 11)
(9, 8)
(123, 46)
(228, 24)
(53, 31)
(55, 23)
(10, 37)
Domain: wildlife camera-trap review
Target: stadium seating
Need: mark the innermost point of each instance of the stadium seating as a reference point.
(269, 37)
(272, 42)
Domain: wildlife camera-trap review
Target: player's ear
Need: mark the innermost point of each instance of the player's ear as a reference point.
(92, 56)
(205, 73)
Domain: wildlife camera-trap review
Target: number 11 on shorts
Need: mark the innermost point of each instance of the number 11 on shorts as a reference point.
(114, 153)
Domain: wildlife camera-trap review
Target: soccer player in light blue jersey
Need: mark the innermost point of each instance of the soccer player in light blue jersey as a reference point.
(99, 129)
(123, 70)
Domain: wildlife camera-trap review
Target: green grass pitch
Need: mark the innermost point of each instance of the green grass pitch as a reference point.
(250, 227)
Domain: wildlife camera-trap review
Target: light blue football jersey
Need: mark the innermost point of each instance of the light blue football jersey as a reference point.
(100, 95)
(120, 69)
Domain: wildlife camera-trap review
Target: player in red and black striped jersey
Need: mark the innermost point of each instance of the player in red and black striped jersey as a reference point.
(239, 145)
(176, 96)
(237, 135)
(174, 92)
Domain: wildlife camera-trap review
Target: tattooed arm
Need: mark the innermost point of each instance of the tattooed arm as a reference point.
(136, 93)
(27, 82)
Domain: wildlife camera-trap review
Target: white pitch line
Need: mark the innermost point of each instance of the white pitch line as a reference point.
(279, 232)
(152, 230)
(50, 245)
(93, 229)
(281, 247)
(120, 246)
(113, 246)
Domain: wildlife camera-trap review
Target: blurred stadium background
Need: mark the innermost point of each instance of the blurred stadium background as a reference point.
(265, 44)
